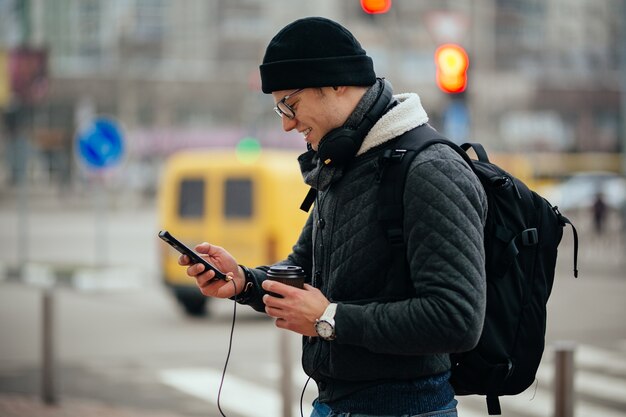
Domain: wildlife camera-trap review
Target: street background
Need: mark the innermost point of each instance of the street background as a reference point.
(544, 92)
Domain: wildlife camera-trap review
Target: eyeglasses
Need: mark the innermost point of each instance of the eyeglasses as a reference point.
(284, 109)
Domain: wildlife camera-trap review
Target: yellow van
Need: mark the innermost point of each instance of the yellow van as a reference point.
(250, 206)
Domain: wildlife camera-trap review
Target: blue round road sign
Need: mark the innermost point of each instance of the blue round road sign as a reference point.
(101, 144)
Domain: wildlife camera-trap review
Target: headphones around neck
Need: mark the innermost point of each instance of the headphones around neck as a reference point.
(341, 144)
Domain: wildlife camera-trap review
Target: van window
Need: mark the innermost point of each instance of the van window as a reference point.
(238, 198)
(191, 198)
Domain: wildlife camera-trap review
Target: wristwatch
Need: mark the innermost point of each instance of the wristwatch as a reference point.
(325, 325)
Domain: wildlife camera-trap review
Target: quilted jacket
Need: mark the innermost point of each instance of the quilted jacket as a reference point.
(391, 325)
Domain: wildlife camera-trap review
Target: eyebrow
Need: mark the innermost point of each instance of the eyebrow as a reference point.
(294, 92)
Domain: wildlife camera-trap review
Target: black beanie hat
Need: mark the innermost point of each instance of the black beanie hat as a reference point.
(315, 52)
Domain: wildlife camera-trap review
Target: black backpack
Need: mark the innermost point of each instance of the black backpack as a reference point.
(522, 233)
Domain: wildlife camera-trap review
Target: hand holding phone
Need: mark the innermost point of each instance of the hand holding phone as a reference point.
(193, 256)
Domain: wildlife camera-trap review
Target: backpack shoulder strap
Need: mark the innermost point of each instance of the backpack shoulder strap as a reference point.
(394, 164)
(565, 221)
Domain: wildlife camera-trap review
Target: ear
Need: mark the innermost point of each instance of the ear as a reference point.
(339, 91)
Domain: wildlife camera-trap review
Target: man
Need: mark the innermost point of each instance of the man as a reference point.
(377, 333)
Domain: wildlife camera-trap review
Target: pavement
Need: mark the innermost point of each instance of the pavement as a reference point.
(17, 405)
(81, 392)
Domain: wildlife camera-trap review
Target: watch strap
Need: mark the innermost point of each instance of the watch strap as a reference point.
(329, 313)
(248, 289)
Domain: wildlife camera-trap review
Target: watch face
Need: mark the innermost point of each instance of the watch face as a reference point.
(324, 329)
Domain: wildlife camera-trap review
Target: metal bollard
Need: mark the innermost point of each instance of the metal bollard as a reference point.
(286, 384)
(48, 391)
(564, 379)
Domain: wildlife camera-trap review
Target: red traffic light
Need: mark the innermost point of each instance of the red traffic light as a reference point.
(376, 6)
(452, 63)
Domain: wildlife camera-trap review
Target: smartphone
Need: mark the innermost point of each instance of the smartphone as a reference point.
(195, 257)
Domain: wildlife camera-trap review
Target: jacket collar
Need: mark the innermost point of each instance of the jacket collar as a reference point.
(404, 116)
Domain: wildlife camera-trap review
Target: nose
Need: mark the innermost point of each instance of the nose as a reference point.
(288, 124)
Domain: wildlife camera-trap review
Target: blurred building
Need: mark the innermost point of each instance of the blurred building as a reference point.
(543, 75)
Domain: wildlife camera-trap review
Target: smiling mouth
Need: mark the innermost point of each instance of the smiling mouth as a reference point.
(306, 132)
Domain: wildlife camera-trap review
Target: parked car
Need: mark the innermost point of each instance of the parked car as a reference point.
(581, 189)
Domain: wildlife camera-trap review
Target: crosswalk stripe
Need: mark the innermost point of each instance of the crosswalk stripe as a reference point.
(260, 401)
(599, 373)
(601, 359)
(539, 403)
(597, 385)
(204, 383)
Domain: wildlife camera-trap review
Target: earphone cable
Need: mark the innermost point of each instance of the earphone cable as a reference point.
(230, 346)
(309, 379)
(302, 395)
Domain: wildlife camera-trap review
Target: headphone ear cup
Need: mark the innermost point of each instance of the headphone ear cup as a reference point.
(341, 144)
(338, 146)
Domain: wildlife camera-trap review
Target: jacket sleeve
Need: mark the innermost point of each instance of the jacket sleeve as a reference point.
(445, 210)
(299, 256)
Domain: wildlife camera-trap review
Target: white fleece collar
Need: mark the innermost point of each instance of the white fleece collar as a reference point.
(406, 115)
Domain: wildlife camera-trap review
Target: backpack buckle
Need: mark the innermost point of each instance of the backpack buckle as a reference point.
(530, 237)
(389, 156)
(395, 237)
(393, 155)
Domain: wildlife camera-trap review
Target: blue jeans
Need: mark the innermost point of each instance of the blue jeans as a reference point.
(322, 410)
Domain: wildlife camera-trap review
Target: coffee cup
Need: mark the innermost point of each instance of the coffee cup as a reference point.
(287, 274)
